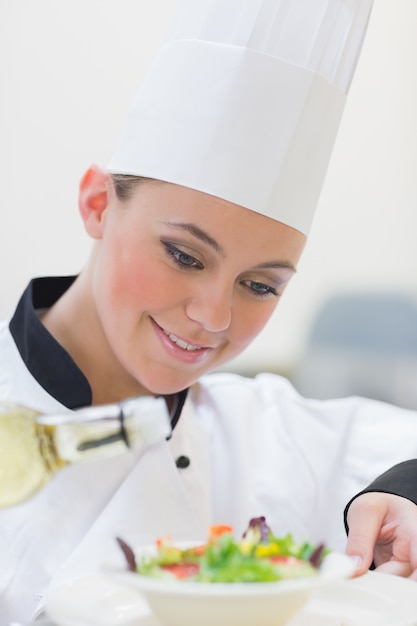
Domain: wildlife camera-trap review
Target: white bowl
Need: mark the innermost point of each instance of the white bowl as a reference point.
(181, 603)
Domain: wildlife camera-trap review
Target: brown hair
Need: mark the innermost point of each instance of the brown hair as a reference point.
(126, 184)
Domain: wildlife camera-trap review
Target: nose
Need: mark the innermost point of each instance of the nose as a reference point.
(211, 308)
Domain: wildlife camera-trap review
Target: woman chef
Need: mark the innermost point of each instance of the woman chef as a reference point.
(198, 225)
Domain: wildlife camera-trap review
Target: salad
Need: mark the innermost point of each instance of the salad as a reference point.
(259, 556)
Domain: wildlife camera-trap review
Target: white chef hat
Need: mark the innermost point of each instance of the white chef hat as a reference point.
(244, 101)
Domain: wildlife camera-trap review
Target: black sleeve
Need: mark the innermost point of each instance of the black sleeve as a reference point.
(400, 480)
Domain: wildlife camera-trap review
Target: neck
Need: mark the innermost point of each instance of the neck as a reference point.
(73, 322)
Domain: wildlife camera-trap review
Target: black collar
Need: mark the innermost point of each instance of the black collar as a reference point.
(45, 358)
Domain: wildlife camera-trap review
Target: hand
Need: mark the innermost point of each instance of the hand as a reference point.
(383, 530)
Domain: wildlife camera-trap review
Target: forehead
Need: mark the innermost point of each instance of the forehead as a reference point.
(220, 219)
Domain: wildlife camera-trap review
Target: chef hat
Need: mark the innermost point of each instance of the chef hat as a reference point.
(244, 101)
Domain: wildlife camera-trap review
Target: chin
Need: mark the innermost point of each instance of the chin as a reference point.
(164, 386)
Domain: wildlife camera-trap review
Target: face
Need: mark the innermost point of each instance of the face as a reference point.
(183, 281)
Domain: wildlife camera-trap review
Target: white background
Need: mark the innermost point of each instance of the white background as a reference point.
(68, 74)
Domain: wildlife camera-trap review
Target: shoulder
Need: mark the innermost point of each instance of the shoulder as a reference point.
(6, 340)
(232, 398)
(4, 325)
(16, 382)
(262, 387)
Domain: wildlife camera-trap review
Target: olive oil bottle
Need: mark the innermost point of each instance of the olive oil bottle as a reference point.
(34, 446)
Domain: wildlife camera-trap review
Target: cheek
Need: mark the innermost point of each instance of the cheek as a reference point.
(249, 322)
(134, 282)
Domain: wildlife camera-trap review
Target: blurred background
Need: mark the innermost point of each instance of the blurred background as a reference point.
(348, 321)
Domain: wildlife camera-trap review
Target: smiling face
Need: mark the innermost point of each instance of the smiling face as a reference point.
(181, 281)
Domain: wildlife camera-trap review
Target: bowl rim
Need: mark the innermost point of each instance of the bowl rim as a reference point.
(336, 567)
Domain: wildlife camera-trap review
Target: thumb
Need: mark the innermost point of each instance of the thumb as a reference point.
(364, 518)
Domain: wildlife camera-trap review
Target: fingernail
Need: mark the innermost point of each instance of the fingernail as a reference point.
(357, 560)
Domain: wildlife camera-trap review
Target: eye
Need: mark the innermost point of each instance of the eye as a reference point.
(181, 258)
(260, 289)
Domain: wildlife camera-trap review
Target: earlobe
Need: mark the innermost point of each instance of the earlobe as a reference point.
(93, 199)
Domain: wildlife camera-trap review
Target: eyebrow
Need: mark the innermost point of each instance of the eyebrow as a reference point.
(280, 265)
(200, 234)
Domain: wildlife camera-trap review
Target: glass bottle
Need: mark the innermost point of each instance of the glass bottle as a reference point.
(35, 446)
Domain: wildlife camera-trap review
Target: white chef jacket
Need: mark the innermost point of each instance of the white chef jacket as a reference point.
(255, 448)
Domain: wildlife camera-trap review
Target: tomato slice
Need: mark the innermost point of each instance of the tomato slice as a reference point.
(182, 570)
(216, 530)
(287, 560)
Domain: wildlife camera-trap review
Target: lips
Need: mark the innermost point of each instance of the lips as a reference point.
(180, 349)
(181, 343)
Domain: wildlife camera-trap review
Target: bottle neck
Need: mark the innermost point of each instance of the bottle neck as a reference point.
(104, 430)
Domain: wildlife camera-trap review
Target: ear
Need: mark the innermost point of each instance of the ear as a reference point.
(93, 200)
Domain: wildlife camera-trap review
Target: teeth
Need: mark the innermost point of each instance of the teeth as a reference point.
(180, 342)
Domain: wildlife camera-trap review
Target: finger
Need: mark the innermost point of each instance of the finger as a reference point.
(365, 517)
(397, 568)
(413, 550)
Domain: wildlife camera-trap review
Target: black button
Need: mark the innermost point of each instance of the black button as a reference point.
(182, 462)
